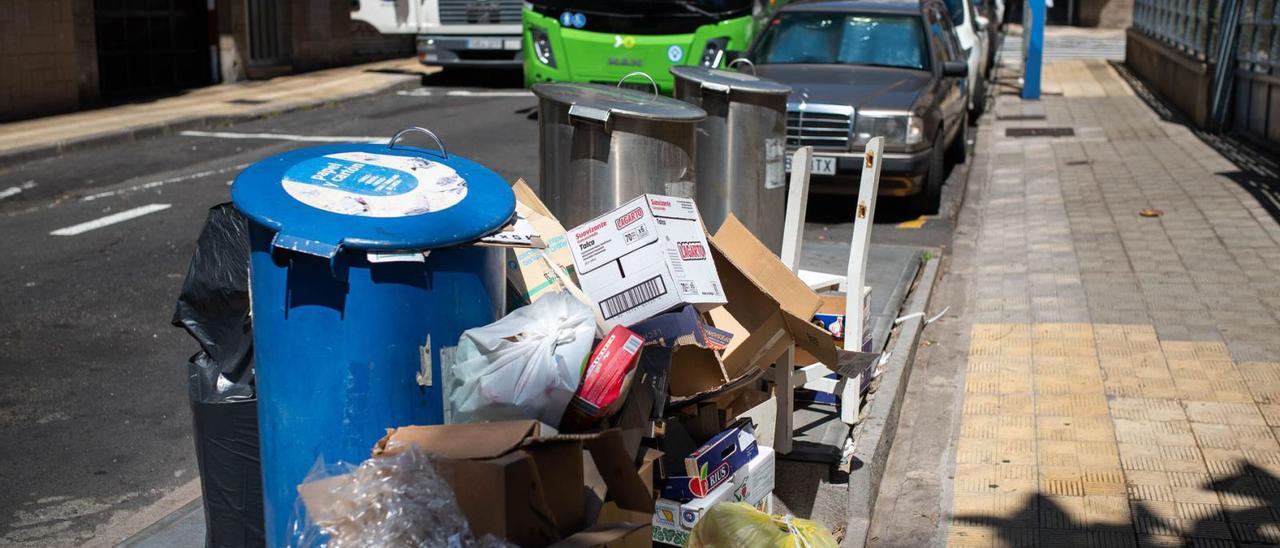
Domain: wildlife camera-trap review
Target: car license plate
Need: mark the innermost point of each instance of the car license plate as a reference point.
(819, 165)
(484, 43)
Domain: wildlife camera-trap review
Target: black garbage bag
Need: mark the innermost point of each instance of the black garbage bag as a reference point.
(214, 304)
(214, 309)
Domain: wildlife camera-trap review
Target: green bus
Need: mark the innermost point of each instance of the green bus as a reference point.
(601, 41)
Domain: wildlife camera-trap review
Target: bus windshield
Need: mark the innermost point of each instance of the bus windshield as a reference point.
(832, 38)
(645, 17)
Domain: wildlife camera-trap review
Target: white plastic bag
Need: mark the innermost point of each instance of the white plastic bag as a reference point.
(524, 366)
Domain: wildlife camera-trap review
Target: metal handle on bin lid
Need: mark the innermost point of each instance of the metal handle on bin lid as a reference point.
(429, 133)
(652, 82)
(315, 248)
(744, 60)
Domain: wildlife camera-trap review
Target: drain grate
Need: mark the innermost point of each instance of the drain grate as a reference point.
(1019, 117)
(248, 101)
(1039, 132)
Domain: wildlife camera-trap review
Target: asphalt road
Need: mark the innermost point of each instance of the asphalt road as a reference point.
(94, 420)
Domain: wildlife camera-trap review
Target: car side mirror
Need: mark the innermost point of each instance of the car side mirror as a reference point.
(959, 69)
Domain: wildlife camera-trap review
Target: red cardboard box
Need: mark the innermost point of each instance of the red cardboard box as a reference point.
(605, 378)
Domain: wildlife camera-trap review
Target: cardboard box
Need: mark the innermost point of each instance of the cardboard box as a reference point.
(768, 308)
(605, 379)
(673, 521)
(831, 316)
(528, 273)
(648, 256)
(682, 357)
(713, 463)
(511, 480)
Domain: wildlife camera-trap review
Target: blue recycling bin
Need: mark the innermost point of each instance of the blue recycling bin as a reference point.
(361, 270)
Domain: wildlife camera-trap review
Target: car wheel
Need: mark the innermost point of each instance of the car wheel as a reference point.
(979, 99)
(956, 151)
(927, 200)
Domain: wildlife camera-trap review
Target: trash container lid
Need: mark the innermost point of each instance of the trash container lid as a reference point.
(725, 81)
(602, 101)
(373, 196)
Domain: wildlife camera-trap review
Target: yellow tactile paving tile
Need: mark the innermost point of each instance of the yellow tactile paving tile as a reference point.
(1076, 434)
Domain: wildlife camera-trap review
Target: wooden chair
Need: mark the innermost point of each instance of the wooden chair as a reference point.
(814, 377)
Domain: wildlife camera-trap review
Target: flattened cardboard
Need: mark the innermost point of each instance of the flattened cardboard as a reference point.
(510, 482)
(481, 440)
(611, 535)
(768, 306)
(528, 274)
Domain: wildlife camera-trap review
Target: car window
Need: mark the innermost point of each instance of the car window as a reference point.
(949, 37)
(847, 39)
(942, 44)
(956, 9)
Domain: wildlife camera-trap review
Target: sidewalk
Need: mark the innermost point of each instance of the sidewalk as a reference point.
(1102, 378)
(202, 106)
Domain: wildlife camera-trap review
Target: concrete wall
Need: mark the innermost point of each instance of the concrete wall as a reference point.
(320, 33)
(1107, 14)
(48, 60)
(1180, 79)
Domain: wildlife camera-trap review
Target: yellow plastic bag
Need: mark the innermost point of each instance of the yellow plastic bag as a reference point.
(739, 525)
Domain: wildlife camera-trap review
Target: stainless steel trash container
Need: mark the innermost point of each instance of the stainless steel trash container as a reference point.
(741, 148)
(601, 146)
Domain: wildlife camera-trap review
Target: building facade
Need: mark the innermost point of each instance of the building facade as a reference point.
(63, 55)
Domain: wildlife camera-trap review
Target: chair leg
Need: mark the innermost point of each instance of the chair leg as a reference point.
(784, 386)
(849, 398)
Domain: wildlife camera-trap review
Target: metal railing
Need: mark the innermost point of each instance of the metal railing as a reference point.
(1259, 45)
(1186, 25)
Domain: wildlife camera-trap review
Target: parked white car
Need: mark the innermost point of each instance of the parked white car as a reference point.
(971, 31)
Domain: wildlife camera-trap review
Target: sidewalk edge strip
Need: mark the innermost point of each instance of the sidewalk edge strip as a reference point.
(135, 133)
(155, 528)
(881, 422)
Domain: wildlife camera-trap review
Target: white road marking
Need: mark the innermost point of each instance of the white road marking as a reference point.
(16, 190)
(284, 137)
(162, 182)
(425, 92)
(110, 220)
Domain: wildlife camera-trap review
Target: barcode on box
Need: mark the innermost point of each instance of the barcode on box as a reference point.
(632, 345)
(639, 294)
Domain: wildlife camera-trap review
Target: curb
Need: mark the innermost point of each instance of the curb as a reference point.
(871, 450)
(153, 534)
(136, 133)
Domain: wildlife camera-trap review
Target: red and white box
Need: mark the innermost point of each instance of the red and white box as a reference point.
(644, 258)
(605, 378)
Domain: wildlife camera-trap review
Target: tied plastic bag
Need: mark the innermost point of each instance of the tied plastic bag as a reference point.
(737, 524)
(397, 500)
(526, 365)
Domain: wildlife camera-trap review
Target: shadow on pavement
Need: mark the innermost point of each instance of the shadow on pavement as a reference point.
(1259, 172)
(1248, 514)
(493, 78)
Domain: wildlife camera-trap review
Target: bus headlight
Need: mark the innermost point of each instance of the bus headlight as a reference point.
(542, 46)
(896, 128)
(713, 53)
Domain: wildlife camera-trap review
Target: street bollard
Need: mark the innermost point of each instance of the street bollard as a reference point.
(360, 272)
(1032, 47)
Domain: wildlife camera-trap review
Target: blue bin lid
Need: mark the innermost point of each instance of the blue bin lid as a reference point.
(373, 197)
